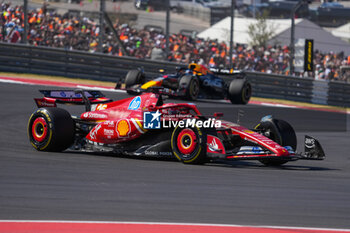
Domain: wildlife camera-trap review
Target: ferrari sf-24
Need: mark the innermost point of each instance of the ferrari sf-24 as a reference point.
(146, 126)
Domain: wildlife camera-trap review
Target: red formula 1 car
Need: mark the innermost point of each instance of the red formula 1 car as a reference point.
(145, 126)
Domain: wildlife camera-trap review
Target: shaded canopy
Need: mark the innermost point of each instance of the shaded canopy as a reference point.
(324, 41)
(342, 31)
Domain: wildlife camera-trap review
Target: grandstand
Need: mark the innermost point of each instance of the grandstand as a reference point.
(49, 28)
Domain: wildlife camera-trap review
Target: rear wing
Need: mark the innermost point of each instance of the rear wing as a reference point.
(77, 97)
(228, 73)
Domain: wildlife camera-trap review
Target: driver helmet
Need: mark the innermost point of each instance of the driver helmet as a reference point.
(198, 68)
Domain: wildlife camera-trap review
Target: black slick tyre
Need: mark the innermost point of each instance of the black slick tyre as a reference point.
(51, 129)
(190, 85)
(133, 77)
(281, 132)
(239, 91)
(189, 145)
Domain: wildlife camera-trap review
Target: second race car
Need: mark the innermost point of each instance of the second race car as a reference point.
(192, 82)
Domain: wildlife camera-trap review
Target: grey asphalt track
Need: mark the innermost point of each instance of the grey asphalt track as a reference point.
(77, 186)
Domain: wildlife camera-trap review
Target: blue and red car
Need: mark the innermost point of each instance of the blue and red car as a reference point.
(193, 82)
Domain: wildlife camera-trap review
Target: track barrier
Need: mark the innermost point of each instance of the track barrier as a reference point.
(21, 58)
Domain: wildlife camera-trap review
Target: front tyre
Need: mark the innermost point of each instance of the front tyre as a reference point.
(51, 129)
(188, 145)
(190, 85)
(239, 91)
(281, 132)
(133, 77)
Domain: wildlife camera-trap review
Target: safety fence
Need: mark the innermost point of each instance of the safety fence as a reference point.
(49, 61)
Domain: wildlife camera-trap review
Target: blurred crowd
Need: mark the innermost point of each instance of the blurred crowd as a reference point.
(47, 28)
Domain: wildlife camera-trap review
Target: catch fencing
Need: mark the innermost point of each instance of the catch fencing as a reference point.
(59, 62)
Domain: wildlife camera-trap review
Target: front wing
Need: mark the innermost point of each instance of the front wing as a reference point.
(216, 150)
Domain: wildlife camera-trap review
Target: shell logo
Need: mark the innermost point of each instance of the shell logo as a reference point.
(123, 128)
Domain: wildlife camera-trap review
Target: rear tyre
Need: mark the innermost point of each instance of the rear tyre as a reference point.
(281, 132)
(190, 84)
(239, 91)
(51, 129)
(133, 77)
(188, 145)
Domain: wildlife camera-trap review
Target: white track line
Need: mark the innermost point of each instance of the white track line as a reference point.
(278, 105)
(14, 82)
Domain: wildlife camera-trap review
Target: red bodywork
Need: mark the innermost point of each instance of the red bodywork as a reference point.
(122, 121)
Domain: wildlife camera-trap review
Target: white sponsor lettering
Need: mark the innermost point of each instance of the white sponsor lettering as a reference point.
(46, 104)
(108, 132)
(209, 123)
(310, 141)
(165, 153)
(250, 150)
(278, 146)
(93, 115)
(109, 124)
(94, 132)
(147, 152)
